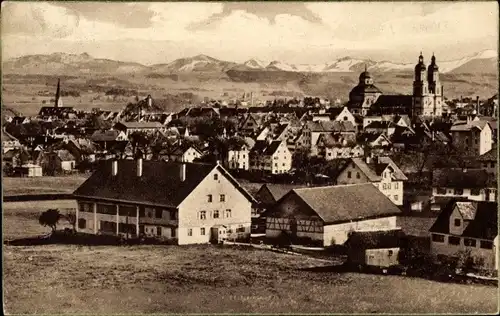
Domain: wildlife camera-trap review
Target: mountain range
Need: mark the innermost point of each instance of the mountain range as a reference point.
(484, 62)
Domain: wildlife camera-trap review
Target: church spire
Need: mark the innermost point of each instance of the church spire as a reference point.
(58, 100)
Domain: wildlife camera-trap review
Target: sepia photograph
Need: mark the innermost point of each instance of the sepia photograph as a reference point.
(258, 157)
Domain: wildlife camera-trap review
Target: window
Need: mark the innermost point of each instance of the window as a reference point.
(202, 231)
(390, 253)
(190, 232)
(158, 231)
(216, 214)
(459, 191)
(470, 242)
(276, 164)
(485, 244)
(388, 186)
(349, 174)
(203, 215)
(474, 191)
(452, 240)
(492, 165)
(222, 198)
(228, 213)
(457, 222)
(82, 223)
(209, 198)
(173, 232)
(173, 215)
(345, 118)
(396, 185)
(358, 176)
(441, 190)
(437, 238)
(395, 198)
(141, 211)
(158, 213)
(240, 229)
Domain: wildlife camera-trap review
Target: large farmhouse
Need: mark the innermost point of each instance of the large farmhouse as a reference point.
(326, 215)
(188, 202)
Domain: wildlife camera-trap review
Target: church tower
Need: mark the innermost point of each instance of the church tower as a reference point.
(58, 100)
(435, 88)
(421, 94)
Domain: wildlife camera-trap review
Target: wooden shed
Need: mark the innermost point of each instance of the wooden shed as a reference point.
(374, 248)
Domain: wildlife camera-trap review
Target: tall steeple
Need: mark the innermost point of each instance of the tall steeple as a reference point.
(58, 100)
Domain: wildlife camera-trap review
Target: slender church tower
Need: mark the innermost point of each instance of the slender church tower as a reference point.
(58, 101)
(435, 88)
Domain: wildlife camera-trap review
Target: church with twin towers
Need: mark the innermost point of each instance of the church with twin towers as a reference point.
(426, 100)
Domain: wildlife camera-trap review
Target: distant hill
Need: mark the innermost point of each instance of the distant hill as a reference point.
(485, 62)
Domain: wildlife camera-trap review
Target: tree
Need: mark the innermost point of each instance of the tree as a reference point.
(50, 218)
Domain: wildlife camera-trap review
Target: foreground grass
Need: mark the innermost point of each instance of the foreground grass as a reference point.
(20, 219)
(207, 279)
(41, 185)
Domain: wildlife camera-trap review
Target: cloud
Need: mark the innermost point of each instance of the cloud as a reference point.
(42, 19)
(295, 32)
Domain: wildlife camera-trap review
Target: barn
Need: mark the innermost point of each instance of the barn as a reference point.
(325, 216)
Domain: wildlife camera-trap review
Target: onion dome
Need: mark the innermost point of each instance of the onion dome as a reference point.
(433, 65)
(420, 66)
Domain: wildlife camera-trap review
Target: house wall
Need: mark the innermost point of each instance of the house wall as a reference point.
(490, 194)
(310, 228)
(384, 257)
(445, 248)
(343, 152)
(345, 115)
(197, 201)
(336, 234)
(281, 159)
(67, 165)
(190, 155)
(238, 159)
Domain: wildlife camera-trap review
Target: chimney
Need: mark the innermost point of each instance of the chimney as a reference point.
(183, 172)
(114, 167)
(477, 105)
(139, 166)
(433, 135)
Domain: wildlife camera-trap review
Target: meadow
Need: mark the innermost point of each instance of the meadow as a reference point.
(41, 185)
(203, 279)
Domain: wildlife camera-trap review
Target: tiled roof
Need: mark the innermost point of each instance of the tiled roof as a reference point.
(462, 178)
(331, 126)
(105, 136)
(482, 221)
(279, 190)
(468, 126)
(381, 124)
(360, 240)
(6, 137)
(344, 203)
(263, 147)
(160, 183)
(373, 171)
(138, 125)
(466, 209)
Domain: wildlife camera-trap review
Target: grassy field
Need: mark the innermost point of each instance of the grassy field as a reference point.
(20, 219)
(42, 185)
(202, 279)
(208, 279)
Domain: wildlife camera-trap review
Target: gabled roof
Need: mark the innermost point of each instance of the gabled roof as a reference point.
(105, 136)
(160, 183)
(277, 191)
(263, 147)
(138, 125)
(360, 240)
(481, 219)
(342, 203)
(331, 126)
(373, 171)
(465, 127)
(462, 178)
(381, 124)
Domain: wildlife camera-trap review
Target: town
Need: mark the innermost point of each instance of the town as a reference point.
(306, 173)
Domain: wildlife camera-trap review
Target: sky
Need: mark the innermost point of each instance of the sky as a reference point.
(294, 32)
